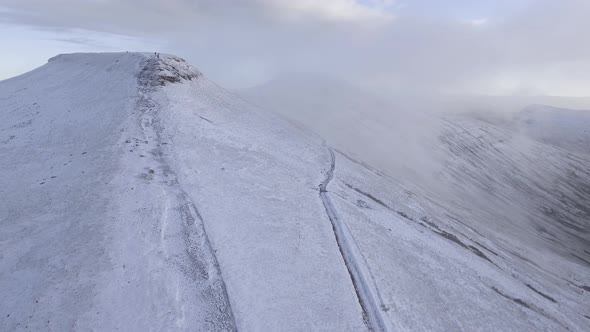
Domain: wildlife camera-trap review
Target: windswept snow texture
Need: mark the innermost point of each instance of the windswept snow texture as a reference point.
(137, 195)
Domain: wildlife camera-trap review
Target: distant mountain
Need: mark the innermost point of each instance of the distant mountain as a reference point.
(137, 195)
(564, 128)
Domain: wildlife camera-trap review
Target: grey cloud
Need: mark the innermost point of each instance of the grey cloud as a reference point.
(242, 42)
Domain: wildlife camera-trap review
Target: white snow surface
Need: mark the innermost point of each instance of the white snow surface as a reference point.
(131, 205)
(137, 195)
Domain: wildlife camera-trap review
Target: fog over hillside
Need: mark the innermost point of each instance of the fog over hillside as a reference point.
(520, 174)
(400, 132)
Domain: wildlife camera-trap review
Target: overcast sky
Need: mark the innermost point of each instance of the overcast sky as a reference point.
(466, 46)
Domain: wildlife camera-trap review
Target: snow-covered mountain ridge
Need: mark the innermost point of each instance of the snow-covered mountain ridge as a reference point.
(137, 195)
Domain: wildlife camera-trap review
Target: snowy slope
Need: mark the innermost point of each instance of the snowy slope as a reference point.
(137, 195)
(500, 243)
(255, 180)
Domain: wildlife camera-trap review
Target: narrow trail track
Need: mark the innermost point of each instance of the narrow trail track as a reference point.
(364, 284)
